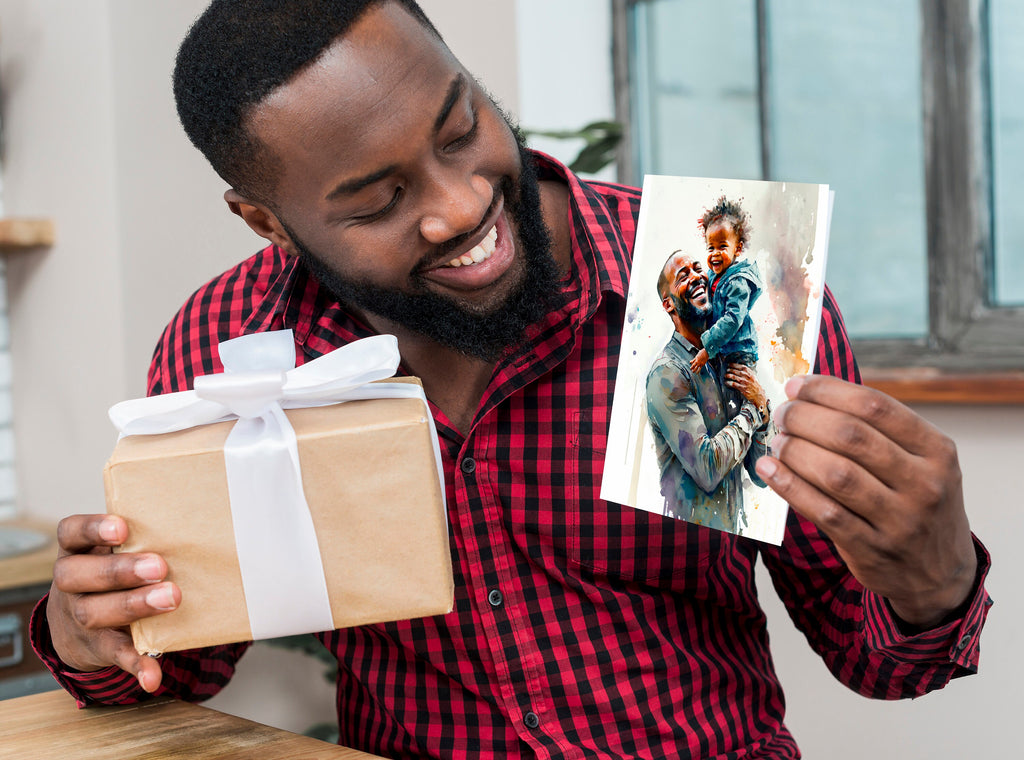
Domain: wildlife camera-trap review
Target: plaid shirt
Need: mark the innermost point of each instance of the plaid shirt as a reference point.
(581, 628)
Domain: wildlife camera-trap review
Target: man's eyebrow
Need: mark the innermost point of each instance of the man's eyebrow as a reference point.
(455, 90)
(352, 186)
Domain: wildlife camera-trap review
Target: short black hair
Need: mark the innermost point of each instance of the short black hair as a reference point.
(725, 210)
(663, 279)
(238, 52)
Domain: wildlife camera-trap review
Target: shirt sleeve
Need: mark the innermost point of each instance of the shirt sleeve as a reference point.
(192, 675)
(855, 630)
(737, 304)
(672, 408)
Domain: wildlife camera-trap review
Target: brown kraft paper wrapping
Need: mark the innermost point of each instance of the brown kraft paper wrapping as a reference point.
(370, 480)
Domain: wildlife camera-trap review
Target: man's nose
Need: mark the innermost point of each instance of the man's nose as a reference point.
(456, 205)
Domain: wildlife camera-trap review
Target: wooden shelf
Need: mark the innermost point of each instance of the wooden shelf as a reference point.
(24, 232)
(931, 386)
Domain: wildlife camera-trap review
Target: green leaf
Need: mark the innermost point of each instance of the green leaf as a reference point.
(601, 140)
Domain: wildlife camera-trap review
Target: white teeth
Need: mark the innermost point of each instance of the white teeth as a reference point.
(480, 252)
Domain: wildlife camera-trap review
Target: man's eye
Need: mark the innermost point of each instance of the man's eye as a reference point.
(464, 140)
(371, 217)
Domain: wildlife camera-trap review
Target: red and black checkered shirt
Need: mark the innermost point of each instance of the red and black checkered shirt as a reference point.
(581, 628)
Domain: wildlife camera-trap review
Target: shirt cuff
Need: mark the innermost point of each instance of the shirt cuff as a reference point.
(109, 685)
(752, 415)
(708, 342)
(953, 641)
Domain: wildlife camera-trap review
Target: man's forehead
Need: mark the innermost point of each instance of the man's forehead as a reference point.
(679, 262)
(385, 69)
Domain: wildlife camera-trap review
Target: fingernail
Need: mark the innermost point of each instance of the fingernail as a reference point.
(108, 530)
(160, 598)
(766, 467)
(143, 682)
(149, 569)
(794, 385)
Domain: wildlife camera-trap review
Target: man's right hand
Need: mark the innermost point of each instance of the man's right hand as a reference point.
(742, 378)
(96, 594)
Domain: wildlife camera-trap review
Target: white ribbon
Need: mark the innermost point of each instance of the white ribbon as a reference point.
(282, 571)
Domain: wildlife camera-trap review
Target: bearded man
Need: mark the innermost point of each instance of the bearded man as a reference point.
(395, 198)
(700, 446)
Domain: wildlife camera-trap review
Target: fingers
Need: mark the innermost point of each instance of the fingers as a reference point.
(116, 647)
(81, 533)
(886, 415)
(739, 376)
(120, 608)
(840, 524)
(830, 482)
(86, 573)
(847, 435)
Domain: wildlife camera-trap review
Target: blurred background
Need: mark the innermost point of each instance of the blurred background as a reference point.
(905, 108)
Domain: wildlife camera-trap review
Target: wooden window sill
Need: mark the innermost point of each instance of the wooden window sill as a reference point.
(932, 386)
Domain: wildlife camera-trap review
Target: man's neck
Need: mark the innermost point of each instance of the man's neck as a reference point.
(689, 332)
(451, 380)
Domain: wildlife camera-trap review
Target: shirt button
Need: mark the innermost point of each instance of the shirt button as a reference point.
(964, 642)
(530, 720)
(495, 598)
(468, 465)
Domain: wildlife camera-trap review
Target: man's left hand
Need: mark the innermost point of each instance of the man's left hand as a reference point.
(884, 485)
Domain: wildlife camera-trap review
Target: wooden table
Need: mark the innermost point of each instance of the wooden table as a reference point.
(45, 726)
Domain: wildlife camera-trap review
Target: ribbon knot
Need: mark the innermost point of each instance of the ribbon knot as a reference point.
(243, 394)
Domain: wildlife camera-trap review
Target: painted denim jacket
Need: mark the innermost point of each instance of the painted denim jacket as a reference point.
(732, 329)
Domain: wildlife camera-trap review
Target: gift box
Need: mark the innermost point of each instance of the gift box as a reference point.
(359, 537)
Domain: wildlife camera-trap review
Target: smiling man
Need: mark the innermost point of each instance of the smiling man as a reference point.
(699, 443)
(395, 198)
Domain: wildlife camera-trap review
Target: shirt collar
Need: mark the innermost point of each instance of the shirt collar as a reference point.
(600, 254)
(682, 343)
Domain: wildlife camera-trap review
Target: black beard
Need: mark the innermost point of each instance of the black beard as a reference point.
(481, 336)
(693, 316)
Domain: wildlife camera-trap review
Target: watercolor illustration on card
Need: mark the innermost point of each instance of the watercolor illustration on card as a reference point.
(724, 307)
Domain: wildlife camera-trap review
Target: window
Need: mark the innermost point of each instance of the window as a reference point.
(906, 108)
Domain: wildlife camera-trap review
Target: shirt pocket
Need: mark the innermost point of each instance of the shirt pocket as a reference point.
(620, 542)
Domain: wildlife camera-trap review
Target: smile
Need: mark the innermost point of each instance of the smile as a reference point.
(696, 291)
(478, 253)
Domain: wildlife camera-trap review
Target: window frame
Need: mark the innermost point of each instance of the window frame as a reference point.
(974, 350)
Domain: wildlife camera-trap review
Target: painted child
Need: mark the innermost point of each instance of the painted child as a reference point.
(734, 287)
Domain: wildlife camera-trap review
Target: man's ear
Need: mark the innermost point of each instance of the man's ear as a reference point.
(666, 303)
(261, 220)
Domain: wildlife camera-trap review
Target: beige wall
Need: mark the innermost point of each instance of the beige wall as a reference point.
(91, 139)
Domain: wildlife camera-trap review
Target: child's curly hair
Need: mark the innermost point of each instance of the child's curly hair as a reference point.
(725, 210)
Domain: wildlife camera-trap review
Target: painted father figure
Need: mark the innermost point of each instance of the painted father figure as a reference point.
(395, 198)
(701, 449)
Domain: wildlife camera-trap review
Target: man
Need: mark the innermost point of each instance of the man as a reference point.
(378, 170)
(699, 446)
